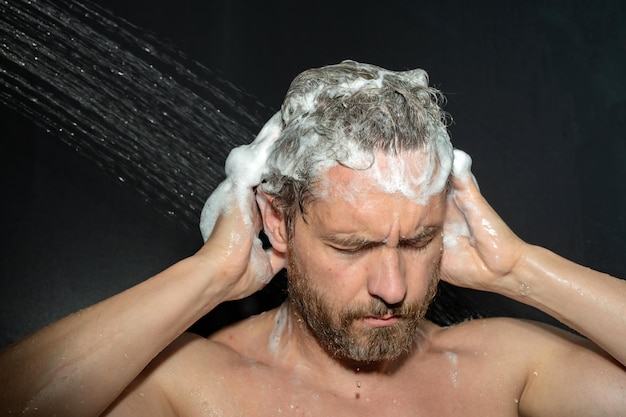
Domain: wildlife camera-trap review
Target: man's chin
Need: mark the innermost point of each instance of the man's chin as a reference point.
(370, 358)
(374, 342)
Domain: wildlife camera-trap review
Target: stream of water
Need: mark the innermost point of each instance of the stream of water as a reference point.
(135, 105)
(130, 102)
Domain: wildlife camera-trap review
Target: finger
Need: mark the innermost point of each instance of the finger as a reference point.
(214, 208)
(455, 227)
(265, 263)
(255, 212)
(496, 244)
(462, 167)
(464, 185)
(458, 262)
(479, 214)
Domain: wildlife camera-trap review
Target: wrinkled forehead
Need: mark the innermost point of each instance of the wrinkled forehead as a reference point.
(414, 175)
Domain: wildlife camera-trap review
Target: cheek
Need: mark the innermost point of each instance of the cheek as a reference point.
(317, 265)
(423, 268)
(337, 275)
(341, 273)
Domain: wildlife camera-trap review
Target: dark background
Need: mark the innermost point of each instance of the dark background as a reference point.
(536, 91)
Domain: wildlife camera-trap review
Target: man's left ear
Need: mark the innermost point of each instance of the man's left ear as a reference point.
(274, 224)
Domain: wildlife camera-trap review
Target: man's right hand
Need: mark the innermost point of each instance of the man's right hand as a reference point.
(244, 266)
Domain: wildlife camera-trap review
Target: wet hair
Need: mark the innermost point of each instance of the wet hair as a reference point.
(345, 114)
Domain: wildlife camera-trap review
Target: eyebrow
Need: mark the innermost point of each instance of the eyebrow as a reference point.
(351, 241)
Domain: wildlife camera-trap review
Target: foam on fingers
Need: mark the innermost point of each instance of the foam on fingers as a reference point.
(244, 169)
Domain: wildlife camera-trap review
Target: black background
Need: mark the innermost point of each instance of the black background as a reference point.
(536, 91)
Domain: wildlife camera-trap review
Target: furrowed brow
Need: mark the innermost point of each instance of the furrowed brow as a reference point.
(351, 241)
(425, 233)
(348, 241)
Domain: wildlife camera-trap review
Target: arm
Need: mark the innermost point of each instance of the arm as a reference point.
(80, 364)
(567, 375)
(481, 252)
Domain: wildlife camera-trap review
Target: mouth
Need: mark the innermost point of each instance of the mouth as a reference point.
(381, 321)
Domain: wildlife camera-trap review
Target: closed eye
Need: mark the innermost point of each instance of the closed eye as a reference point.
(355, 245)
(423, 240)
(416, 244)
(352, 250)
(412, 244)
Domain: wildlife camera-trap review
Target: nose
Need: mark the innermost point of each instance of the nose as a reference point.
(387, 280)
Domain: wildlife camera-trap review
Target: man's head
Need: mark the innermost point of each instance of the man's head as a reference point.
(354, 193)
(343, 115)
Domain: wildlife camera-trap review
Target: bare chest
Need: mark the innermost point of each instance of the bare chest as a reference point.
(452, 391)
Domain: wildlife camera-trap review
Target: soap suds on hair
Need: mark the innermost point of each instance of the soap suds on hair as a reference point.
(313, 133)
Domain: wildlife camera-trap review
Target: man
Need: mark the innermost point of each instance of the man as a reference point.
(367, 206)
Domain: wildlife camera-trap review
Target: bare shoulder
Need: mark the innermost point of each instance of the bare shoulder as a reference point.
(192, 356)
(508, 334)
(550, 371)
(240, 343)
(513, 349)
(183, 377)
(254, 338)
(195, 374)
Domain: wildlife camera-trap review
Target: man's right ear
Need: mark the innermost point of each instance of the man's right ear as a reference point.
(274, 224)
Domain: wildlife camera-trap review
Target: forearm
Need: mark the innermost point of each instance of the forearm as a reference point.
(588, 301)
(79, 365)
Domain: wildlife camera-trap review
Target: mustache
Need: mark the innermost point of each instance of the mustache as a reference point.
(378, 308)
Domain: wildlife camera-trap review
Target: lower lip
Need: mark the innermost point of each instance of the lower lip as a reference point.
(381, 322)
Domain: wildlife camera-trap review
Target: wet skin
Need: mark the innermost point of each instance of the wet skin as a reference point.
(480, 368)
(356, 244)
